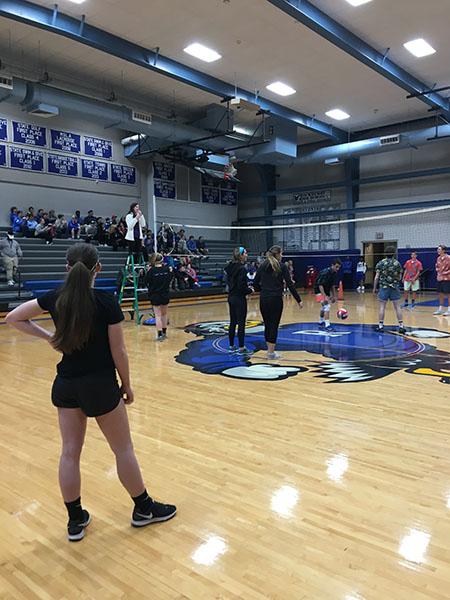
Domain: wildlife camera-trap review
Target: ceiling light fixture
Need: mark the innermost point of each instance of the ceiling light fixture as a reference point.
(77, 1)
(358, 2)
(280, 88)
(419, 48)
(202, 52)
(337, 114)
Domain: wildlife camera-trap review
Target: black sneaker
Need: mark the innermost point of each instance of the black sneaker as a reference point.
(401, 330)
(244, 352)
(378, 328)
(159, 512)
(75, 529)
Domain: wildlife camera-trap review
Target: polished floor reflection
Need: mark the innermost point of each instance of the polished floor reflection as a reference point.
(325, 476)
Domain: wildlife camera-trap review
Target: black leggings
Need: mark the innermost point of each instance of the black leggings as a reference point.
(271, 309)
(238, 315)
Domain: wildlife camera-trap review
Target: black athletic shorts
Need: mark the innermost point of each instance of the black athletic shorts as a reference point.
(443, 287)
(96, 394)
(159, 299)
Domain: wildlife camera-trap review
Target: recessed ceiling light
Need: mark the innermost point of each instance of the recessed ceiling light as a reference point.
(280, 88)
(77, 1)
(419, 48)
(242, 130)
(202, 52)
(337, 114)
(358, 2)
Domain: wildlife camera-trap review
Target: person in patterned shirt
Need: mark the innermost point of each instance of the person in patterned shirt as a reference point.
(443, 280)
(387, 278)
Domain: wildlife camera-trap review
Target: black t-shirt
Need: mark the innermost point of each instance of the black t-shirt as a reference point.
(96, 355)
(271, 284)
(158, 280)
(327, 279)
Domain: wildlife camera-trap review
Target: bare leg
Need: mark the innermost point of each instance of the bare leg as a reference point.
(72, 425)
(115, 428)
(381, 311)
(158, 317)
(441, 299)
(398, 310)
(164, 316)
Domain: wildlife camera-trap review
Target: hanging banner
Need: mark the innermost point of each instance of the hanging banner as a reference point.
(123, 174)
(62, 165)
(164, 170)
(228, 197)
(3, 129)
(94, 169)
(65, 141)
(33, 135)
(2, 155)
(97, 147)
(210, 195)
(25, 158)
(164, 189)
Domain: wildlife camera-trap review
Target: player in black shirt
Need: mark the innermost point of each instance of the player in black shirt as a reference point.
(325, 290)
(158, 280)
(269, 280)
(238, 289)
(89, 336)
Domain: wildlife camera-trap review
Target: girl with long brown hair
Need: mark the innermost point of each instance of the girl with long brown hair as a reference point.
(238, 290)
(158, 280)
(269, 280)
(89, 336)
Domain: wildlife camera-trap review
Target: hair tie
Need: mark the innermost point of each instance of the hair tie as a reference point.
(241, 250)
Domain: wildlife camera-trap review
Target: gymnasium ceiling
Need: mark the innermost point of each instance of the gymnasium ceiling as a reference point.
(258, 43)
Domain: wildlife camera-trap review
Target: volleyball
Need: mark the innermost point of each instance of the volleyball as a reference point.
(342, 313)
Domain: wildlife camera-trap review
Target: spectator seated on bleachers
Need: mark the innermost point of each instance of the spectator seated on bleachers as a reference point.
(74, 228)
(29, 225)
(18, 222)
(202, 247)
(182, 247)
(45, 231)
(12, 215)
(192, 245)
(61, 227)
(90, 224)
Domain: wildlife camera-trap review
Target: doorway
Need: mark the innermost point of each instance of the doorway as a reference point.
(373, 252)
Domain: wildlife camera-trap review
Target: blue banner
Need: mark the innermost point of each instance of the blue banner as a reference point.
(63, 165)
(33, 135)
(228, 197)
(210, 195)
(94, 169)
(164, 170)
(2, 155)
(123, 174)
(65, 141)
(3, 129)
(164, 189)
(97, 147)
(25, 158)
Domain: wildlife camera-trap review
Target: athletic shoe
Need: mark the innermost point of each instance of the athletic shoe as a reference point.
(405, 305)
(447, 314)
(438, 312)
(232, 349)
(244, 351)
(160, 338)
(321, 325)
(159, 512)
(401, 330)
(273, 355)
(329, 329)
(11, 283)
(378, 329)
(75, 529)
(413, 306)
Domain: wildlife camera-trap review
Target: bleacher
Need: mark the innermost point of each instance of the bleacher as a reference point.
(43, 267)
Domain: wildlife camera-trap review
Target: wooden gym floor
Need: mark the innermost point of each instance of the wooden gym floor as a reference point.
(298, 488)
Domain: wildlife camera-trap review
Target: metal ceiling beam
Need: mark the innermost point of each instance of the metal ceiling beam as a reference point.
(80, 31)
(316, 20)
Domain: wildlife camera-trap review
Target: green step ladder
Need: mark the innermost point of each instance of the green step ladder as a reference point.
(129, 276)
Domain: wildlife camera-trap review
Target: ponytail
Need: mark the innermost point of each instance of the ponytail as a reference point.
(156, 257)
(272, 260)
(75, 306)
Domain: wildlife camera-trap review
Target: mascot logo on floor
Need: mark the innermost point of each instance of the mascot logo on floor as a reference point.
(351, 353)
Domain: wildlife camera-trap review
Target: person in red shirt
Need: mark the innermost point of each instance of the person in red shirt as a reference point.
(443, 280)
(412, 269)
